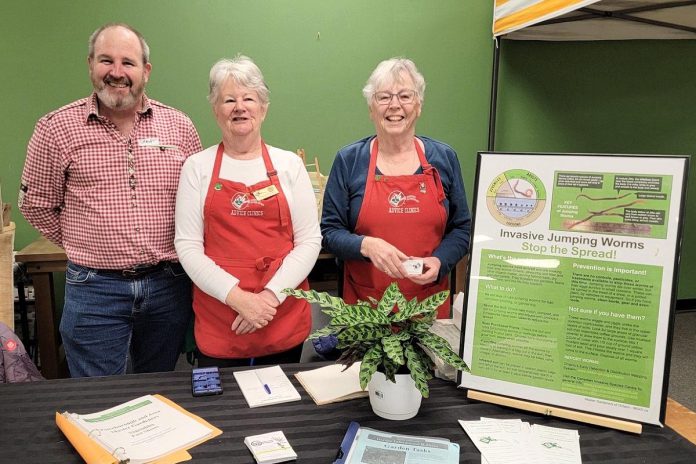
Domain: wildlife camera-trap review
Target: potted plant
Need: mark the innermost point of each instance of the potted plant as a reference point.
(389, 336)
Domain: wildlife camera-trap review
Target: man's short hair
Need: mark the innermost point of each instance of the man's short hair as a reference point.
(143, 43)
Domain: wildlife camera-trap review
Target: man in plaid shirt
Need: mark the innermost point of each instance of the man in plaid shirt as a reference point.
(100, 180)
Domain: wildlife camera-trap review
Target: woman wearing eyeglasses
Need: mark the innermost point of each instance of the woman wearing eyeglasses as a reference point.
(396, 197)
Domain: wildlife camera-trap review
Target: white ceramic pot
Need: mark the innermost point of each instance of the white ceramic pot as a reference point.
(395, 401)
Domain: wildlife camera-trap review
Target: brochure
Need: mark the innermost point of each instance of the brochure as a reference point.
(270, 448)
(370, 445)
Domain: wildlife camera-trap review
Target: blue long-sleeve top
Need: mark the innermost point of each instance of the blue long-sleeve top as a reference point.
(345, 190)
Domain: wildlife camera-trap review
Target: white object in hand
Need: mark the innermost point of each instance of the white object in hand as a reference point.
(413, 266)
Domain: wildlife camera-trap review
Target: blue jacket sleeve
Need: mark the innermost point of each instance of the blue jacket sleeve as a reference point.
(342, 200)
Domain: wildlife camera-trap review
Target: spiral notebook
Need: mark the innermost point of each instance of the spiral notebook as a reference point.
(149, 429)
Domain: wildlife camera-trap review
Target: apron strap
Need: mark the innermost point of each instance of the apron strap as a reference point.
(284, 208)
(214, 179)
(429, 170)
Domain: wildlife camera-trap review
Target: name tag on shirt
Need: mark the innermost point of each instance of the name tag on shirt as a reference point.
(267, 192)
(153, 142)
(150, 142)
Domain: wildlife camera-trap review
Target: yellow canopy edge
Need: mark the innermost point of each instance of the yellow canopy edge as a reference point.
(511, 15)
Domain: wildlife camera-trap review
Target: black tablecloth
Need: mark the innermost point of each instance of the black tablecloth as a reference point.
(28, 432)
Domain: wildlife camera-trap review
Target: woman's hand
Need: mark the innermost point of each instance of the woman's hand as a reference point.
(431, 268)
(384, 256)
(255, 310)
(241, 326)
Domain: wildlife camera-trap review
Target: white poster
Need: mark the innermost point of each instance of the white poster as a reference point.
(572, 280)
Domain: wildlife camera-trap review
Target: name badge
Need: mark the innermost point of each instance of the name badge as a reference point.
(149, 142)
(267, 192)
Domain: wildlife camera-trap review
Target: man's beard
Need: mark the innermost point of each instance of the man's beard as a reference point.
(117, 101)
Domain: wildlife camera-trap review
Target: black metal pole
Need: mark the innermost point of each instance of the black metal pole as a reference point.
(494, 94)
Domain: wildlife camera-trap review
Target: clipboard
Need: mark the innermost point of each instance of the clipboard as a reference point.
(93, 453)
(347, 443)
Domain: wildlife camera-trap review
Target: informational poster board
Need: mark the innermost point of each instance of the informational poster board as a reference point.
(572, 280)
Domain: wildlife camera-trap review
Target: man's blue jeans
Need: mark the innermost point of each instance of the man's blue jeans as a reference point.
(108, 318)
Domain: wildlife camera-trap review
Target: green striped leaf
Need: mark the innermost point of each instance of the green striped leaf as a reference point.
(370, 361)
(420, 327)
(357, 314)
(361, 333)
(441, 348)
(390, 297)
(407, 310)
(323, 299)
(392, 348)
(419, 370)
(403, 335)
(425, 358)
(390, 368)
(434, 301)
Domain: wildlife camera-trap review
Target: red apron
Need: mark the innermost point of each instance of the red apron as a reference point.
(258, 233)
(408, 212)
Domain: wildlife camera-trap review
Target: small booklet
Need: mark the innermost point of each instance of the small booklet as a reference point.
(266, 386)
(142, 430)
(362, 444)
(269, 448)
(331, 384)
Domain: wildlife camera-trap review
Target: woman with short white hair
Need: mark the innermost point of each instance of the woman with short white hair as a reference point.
(246, 228)
(394, 206)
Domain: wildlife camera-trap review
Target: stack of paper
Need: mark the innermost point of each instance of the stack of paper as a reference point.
(508, 441)
(331, 384)
(269, 448)
(142, 430)
(266, 386)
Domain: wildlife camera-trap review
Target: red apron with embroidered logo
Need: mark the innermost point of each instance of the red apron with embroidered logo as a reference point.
(408, 212)
(258, 234)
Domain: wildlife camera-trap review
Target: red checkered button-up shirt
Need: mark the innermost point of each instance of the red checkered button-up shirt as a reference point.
(107, 199)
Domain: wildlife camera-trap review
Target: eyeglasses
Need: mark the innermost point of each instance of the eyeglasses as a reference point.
(404, 97)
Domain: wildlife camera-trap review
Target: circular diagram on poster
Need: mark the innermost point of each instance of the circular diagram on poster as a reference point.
(516, 197)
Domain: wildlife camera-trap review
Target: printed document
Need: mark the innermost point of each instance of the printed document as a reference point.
(374, 447)
(142, 430)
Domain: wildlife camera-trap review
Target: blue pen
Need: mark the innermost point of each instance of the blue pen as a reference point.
(265, 385)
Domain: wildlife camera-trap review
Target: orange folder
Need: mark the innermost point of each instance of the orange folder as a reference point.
(93, 453)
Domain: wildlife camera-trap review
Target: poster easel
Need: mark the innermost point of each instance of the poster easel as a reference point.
(548, 410)
(572, 284)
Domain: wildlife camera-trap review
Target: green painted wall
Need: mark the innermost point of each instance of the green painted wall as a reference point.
(317, 54)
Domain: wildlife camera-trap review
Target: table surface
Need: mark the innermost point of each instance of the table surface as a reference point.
(41, 249)
(28, 432)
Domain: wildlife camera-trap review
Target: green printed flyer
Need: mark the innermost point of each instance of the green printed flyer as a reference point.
(572, 325)
(618, 204)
